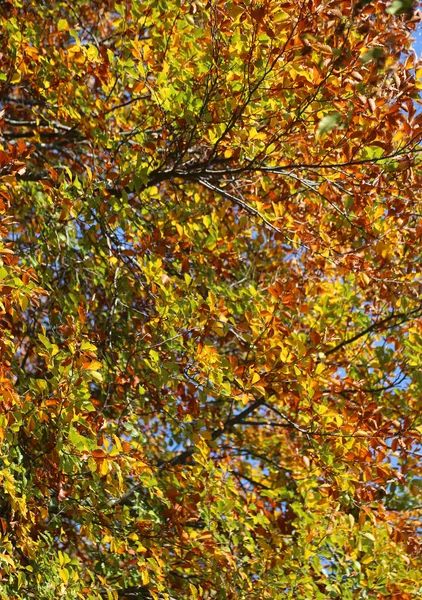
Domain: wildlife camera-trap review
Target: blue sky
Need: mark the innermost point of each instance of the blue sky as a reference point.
(417, 44)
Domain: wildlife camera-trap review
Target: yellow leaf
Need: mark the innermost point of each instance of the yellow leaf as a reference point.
(93, 366)
(92, 53)
(16, 77)
(5, 558)
(118, 443)
(64, 575)
(144, 577)
(63, 25)
(104, 467)
(367, 559)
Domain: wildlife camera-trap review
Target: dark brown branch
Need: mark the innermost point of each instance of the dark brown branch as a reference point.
(378, 325)
(183, 457)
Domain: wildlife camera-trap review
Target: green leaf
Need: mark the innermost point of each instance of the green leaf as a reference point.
(80, 442)
(44, 340)
(400, 7)
(372, 54)
(328, 123)
(369, 536)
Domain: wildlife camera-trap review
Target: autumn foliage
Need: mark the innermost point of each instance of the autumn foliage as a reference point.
(210, 307)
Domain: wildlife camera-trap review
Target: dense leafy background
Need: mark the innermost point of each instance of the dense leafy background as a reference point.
(211, 318)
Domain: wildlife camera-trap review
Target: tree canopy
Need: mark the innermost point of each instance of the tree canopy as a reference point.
(210, 308)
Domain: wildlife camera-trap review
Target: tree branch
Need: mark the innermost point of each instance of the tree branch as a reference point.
(402, 318)
(182, 457)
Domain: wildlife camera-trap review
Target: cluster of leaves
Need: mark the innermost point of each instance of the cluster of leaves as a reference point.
(210, 310)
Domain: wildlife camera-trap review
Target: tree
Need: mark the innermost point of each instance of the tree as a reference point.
(211, 318)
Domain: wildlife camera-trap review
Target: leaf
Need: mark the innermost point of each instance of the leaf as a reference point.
(7, 559)
(80, 442)
(372, 54)
(93, 365)
(400, 7)
(45, 341)
(62, 25)
(328, 123)
(64, 575)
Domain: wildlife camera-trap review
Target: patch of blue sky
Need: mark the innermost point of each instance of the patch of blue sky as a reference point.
(417, 43)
